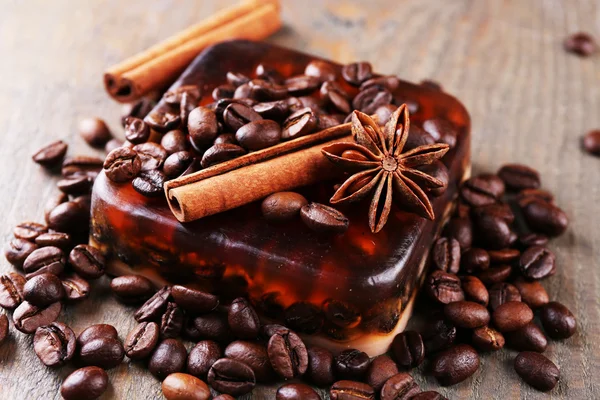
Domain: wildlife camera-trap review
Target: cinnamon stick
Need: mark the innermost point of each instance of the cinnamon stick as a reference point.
(161, 64)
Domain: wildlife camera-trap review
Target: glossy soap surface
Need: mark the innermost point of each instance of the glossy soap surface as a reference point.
(357, 283)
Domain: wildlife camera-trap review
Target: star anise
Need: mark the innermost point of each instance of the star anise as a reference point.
(380, 167)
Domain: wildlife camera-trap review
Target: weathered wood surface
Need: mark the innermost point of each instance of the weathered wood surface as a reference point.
(529, 101)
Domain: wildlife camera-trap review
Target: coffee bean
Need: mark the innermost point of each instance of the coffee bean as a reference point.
(94, 131)
(384, 113)
(174, 141)
(501, 293)
(498, 210)
(351, 364)
(46, 259)
(545, 218)
(17, 251)
(263, 90)
(356, 73)
(324, 219)
(441, 130)
(202, 127)
(533, 239)
(446, 255)
(104, 352)
(142, 340)
(532, 293)
(168, 357)
(3, 327)
(150, 183)
(175, 96)
(85, 383)
(258, 135)
(299, 123)
(381, 369)
(437, 335)
(558, 321)
(136, 130)
(304, 317)
(180, 386)
(341, 314)
(81, 165)
(467, 314)
(371, 98)
(213, 326)
(282, 206)
(429, 395)
(51, 155)
(474, 290)
(193, 300)
(223, 92)
(321, 69)
(11, 290)
(69, 217)
(243, 319)
(56, 239)
(287, 354)
(43, 290)
(537, 263)
(76, 288)
(155, 306)
(122, 164)
(474, 260)
(332, 93)
(495, 274)
(296, 391)
(219, 153)
(171, 322)
(439, 171)
(482, 190)
(151, 155)
(29, 230)
(54, 344)
(518, 177)
(301, 85)
(528, 338)
(408, 349)
(399, 386)
(487, 339)
(460, 229)
(231, 377)
(320, 366)
(511, 316)
(164, 118)
(580, 43)
(527, 195)
(417, 137)
(255, 356)
(177, 163)
(97, 331)
(236, 79)
(274, 110)
(202, 357)
(351, 390)
(237, 115)
(87, 261)
(444, 287)
(27, 317)
(503, 256)
(455, 364)
(494, 232)
(132, 288)
(224, 397)
(537, 370)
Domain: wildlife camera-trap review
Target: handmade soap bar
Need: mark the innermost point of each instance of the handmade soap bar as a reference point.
(351, 290)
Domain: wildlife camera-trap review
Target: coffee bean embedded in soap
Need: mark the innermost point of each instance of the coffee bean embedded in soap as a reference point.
(324, 219)
(150, 183)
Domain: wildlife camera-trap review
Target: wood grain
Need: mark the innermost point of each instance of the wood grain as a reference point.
(529, 100)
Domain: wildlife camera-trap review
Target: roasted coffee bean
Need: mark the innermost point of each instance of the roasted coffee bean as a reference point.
(219, 153)
(194, 301)
(439, 171)
(288, 354)
(438, 335)
(399, 387)
(341, 314)
(498, 210)
(496, 274)
(27, 317)
(104, 352)
(152, 155)
(253, 355)
(320, 366)
(441, 130)
(301, 85)
(296, 391)
(408, 349)
(474, 290)
(223, 92)
(56, 239)
(94, 131)
(591, 142)
(455, 364)
(54, 344)
(558, 321)
(202, 357)
(122, 164)
(232, 377)
(155, 306)
(76, 288)
(258, 135)
(51, 155)
(460, 229)
(175, 96)
(321, 69)
(138, 109)
(390, 82)
(371, 98)
(297, 103)
(299, 123)
(142, 340)
(262, 90)
(11, 290)
(384, 113)
(132, 288)
(163, 118)
(304, 317)
(17, 251)
(494, 232)
(69, 217)
(87, 261)
(243, 319)
(482, 190)
(237, 115)
(85, 383)
(474, 260)
(187, 105)
(518, 177)
(537, 370)
(545, 218)
(171, 322)
(487, 339)
(282, 206)
(324, 219)
(532, 293)
(358, 72)
(332, 93)
(225, 138)
(168, 357)
(174, 141)
(527, 195)
(242, 92)
(511, 316)
(381, 369)
(501, 293)
(97, 331)
(150, 183)
(351, 390)
(224, 397)
(580, 43)
(444, 287)
(351, 364)
(46, 259)
(213, 326)
(180, 386)
(537, 263)
(177, 163)
(429, 395)
(29, 230)
(202, 127)
(503, 256)
(136, 130)
(43, 290)
(3, 327)
(467, 314)
(82, 165)
(274, 110)
(446, 255)
(417, 137)
(528, 338)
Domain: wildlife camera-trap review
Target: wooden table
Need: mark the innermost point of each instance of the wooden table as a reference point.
(530, 102)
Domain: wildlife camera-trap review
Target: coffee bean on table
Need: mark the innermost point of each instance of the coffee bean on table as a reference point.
(56, 239)
(558, 321)
(232, 377)
(11, 290)
(351, 364)
(69, 217)
(351, 390)
(81, 165)
(324, 219)
(132, 288)
(136, 130)
(141, 341)
(177, 163)
(474, 260)
(150, 183)
(180, 386)
(243, 319)
(444, 287)
(429, 395)
(482, 190)
(501, 293)
(44, 289)
(467, 314)
(455, 364)
(282, 206)
(320, 366)
(76, 288)
(408, 349)
(496, 274)
(518, 177)
(537, 263)
(87, 261)
(546, 218)
(3, 327)
(438, 334)
(511, 316)
(533, 239)
(202, 357)
(528, 338)
(399, 386)
(168, 357)
(441, 130)
(460, 229)
(94, 131)
(155, 306)
(304, 317)
(296, 391)
(171, 322)
(122, 164)
(591, 142)
(527, 195)
(474, 290)
(537, 370)
(299, 123)
(287, 354)
(253, 355)
(381, 369)
(224, 397)
(54, 344)
(27, 317)
(194, 300)
(29, 230)
(580, 43)
(487, 339)
(213, 326)
(51, 155)
(46, 259)
(503, 256)
(17, 251)
(97, 331)
(446, 255)
(104, 352)
(494, 232)
(85, 383)
(358, 72)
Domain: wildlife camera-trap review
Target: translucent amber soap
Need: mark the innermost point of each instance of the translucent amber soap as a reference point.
(353, 290)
